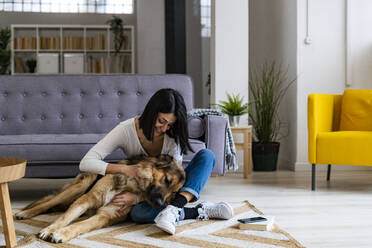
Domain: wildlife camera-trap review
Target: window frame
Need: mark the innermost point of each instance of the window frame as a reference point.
(68, 6)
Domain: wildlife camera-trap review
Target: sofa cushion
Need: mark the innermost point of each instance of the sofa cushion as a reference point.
(52, 148)
(72, 104)
(356, 110)
(344, 147)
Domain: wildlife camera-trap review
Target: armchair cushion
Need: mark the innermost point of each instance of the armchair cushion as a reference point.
(196, 127)
(356, 110)
(344, 148)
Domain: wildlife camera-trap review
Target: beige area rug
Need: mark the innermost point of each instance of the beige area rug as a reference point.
(190, 233)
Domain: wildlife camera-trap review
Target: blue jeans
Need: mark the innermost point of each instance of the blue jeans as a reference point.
(197, 171)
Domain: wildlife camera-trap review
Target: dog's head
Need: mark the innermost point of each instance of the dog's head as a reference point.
(167, 178)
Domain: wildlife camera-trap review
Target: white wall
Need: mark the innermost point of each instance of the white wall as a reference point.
(273, 36)
(229, 49)
(361, 43)
(150, 36)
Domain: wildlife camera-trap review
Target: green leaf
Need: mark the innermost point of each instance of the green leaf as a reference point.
(117, 27)
(268, 86)
(234, 105)
(4, 51)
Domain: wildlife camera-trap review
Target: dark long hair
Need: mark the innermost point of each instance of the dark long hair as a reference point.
(167, 101)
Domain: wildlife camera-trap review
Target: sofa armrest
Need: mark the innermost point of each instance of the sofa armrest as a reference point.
(321, 110)
(215, 138)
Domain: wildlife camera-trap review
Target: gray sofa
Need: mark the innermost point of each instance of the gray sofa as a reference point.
(52, 121)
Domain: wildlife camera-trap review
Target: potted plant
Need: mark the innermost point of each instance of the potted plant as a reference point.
(234, 107)
(31, 64)
(4, 51)
(267, 87)
(117, 27)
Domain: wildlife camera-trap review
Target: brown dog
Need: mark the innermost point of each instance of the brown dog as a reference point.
(158, 178)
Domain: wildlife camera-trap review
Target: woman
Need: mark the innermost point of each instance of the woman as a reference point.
(161, 129)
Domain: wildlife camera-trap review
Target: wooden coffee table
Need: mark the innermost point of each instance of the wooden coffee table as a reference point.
(10, 169)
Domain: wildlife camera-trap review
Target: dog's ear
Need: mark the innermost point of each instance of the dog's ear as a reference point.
(169, 163)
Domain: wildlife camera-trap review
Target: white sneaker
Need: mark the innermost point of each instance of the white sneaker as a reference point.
(222, 210)
(166, 220)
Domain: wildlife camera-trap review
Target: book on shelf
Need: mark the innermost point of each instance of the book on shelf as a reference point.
(48, 43)
(103, 65)
(97, 42)
(96, 65)
(24, 42)
(265, 225)
(127, 67)
(73, 42)
(126, 42)
(18, 64)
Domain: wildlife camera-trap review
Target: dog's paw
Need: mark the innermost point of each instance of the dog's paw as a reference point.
(23, 215)
(58, 237)
(45, 233)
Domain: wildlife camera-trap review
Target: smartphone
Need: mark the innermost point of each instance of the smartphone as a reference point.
(252, 220)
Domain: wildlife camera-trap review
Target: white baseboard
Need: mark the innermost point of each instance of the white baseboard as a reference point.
(301, 166)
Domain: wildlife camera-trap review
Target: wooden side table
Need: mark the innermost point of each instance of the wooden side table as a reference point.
(10, 169)
(246, 146)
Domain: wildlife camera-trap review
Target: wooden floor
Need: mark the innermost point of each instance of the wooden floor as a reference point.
(338, 214)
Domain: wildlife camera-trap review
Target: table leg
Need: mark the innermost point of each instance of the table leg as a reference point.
(250, 165)
(7, 216)
(246, 155)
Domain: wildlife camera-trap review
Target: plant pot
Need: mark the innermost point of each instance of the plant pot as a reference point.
(265, 156)
(31, 69)
(234, 120)
(31, 64)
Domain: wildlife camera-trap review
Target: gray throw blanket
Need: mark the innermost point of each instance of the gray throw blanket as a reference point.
(230, 156)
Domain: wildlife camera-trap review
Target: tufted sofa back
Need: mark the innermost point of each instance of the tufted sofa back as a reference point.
(79, 104)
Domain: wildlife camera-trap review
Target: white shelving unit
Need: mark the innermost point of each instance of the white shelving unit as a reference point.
(94, 42)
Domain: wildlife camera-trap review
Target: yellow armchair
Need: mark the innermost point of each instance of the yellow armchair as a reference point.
(328, 145)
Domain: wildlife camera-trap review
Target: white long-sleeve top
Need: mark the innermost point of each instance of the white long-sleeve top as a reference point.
(123, 136)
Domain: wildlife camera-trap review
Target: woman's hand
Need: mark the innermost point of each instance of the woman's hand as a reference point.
(130, 171)
(125, 200)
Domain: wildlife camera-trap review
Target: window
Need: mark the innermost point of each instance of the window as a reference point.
(68, 6)
(205, 17)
